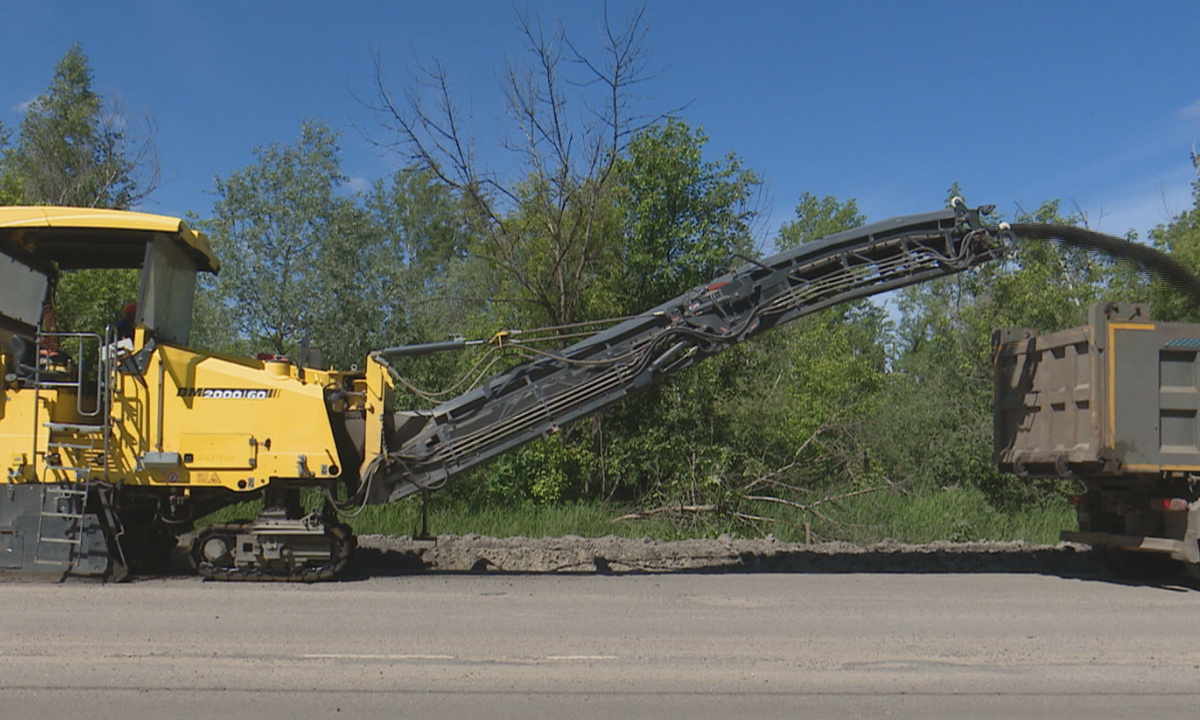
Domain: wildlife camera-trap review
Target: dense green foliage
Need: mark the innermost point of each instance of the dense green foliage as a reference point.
(74, 149)
(860, 422)
(293, 252)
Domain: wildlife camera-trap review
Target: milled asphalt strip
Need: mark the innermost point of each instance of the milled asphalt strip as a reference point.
(757, 692)
(355, 656)
(352, 656)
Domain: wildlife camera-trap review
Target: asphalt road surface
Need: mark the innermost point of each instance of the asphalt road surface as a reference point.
(633, 646)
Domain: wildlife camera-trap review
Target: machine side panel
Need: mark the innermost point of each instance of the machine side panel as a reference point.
(1045, 401)
(1133, 415)
(231, 423)
(1157, 387)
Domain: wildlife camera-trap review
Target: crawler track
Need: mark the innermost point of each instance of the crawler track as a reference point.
(341, 545)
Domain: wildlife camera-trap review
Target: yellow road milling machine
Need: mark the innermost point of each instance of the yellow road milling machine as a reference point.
(109, 459)
(113, 443)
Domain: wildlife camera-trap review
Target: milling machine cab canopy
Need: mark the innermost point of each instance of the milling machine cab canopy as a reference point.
(36, 243)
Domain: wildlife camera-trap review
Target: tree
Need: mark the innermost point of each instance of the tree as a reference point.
(1181, 239)
(546, 226)
(676, 220)
(550, 231)
(679, 218)
(765, 432)
(10, 188)
(943, 365)
(425, 281)
(294, 253)
(818, 218)
(423, 237)
(74, 149)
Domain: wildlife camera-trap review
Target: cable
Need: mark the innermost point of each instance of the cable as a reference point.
(365, 491)
(431, 395)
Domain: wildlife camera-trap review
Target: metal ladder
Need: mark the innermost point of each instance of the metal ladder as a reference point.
(61, 502)
(87, 445)
(90, 442)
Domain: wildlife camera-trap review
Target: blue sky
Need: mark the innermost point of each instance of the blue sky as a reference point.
(1095, 103)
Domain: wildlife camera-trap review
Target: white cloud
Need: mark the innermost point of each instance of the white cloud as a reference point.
(1191, 112)
(23, 106)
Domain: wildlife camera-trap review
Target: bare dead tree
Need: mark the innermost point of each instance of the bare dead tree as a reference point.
(573, 115)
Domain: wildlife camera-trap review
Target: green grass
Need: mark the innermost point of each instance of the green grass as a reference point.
(457, 518)
(958, 514)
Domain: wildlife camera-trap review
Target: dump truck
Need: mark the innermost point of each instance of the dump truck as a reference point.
(1111, 406)
(115, 442)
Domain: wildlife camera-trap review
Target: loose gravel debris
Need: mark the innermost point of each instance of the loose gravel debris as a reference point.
(378, 554)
